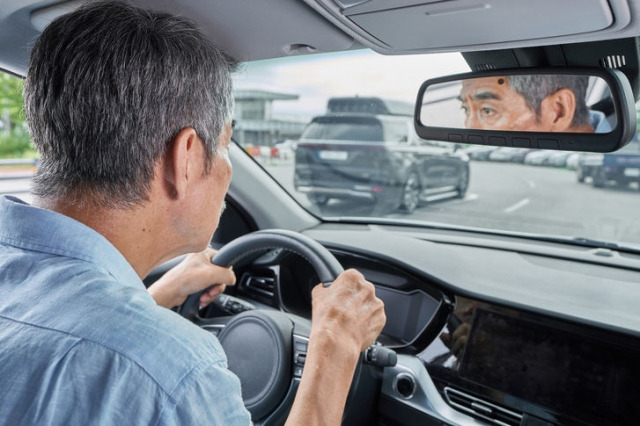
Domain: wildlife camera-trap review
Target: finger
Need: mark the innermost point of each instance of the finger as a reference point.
(446, 339)
(210, 252)
(208, 296)
(225, 275)
(216, 290)
(214, 274)
(459, 345)
(461, 331)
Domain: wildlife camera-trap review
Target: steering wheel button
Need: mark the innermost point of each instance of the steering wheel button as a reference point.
(297, 371)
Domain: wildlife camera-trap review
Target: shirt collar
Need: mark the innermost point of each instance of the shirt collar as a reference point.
(33, 228)
(599, 122)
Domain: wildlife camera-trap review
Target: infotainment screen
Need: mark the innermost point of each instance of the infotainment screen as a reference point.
(565, 371)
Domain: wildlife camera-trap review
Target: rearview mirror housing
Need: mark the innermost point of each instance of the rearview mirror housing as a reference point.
(570, 109)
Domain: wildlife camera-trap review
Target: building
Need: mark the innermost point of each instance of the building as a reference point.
(255, 124)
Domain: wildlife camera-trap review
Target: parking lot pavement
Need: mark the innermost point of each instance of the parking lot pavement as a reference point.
(519, 198)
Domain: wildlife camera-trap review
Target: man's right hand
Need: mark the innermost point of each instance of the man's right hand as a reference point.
(346, 319)
(349, 310)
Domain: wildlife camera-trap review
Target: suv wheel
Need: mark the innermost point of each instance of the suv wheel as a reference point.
(599, 178)
(411, 193)
(464, 183)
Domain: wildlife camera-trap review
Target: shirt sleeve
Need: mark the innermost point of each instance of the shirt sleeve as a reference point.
(210, 395)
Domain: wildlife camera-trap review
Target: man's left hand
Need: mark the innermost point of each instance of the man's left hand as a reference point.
(194, 273)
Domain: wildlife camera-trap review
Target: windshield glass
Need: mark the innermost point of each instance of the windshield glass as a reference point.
(321, 122)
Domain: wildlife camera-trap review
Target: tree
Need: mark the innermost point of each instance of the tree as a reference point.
(11, 102)
(14, 138)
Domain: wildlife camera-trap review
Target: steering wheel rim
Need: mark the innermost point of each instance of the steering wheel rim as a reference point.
(249, 247)
(262, 347)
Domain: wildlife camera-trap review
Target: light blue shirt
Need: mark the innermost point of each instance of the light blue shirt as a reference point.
(599, 122)
(83, 343)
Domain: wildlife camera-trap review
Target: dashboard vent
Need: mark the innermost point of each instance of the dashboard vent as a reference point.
(482, 409)
(613, 61)
(259, 284)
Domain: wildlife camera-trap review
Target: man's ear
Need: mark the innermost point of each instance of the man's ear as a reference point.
(179, 164)
(558, 109)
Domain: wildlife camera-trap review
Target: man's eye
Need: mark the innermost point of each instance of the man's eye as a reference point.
(487, 111)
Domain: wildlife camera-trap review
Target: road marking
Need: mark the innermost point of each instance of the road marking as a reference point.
(520, 204)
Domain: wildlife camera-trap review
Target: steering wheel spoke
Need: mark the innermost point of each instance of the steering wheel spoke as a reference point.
(214, 325)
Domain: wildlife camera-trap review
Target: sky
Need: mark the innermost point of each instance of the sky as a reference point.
(315, 78)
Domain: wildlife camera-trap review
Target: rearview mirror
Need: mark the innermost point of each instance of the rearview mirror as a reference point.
(565, 109)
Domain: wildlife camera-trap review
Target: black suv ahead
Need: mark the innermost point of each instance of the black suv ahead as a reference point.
(366, 149)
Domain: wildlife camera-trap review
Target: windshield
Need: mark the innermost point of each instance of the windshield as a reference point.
(336, 130)
(320, 112)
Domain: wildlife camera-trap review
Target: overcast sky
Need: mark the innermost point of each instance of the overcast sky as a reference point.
(315, 78)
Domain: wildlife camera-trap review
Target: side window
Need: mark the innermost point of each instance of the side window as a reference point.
(14, 137)
(17, 154)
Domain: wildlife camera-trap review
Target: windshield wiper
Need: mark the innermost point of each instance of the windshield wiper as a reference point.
(589, 242)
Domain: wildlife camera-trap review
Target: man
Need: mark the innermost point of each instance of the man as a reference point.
(543, 103)
(130, 112)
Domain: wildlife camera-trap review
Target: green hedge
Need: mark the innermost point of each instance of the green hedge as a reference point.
(16, 145)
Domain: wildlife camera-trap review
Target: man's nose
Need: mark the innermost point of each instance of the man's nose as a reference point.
(471, 121)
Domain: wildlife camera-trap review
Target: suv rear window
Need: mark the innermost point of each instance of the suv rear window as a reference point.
(344, 129)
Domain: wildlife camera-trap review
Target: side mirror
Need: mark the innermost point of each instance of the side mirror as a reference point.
(570, 109)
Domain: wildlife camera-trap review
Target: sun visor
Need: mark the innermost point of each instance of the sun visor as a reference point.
(462, 24)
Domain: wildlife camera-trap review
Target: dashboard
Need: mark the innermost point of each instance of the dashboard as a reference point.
(515, 337)
(465, 357)
(283, 280)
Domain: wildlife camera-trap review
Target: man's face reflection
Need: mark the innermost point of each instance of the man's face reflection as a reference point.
(490, 103)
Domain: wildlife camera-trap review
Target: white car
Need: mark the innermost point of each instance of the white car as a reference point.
(538, 158)
(285, 150)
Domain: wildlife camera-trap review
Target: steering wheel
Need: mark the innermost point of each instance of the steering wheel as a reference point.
(265, 349)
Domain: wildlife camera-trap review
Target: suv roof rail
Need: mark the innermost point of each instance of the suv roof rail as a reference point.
(370, 105)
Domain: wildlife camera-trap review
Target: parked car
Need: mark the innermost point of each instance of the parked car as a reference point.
(573, 160)
(377, 159)
(538, 158)
(479, 152)
(617, 168)
(285, 150)
(558, 159)
(509, 154)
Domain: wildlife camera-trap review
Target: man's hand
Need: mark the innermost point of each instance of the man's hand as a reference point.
(349, 310)
(193, 274)
(346, 319)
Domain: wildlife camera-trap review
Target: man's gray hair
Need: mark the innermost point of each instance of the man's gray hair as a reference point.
(108, 88)
(535, 88)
